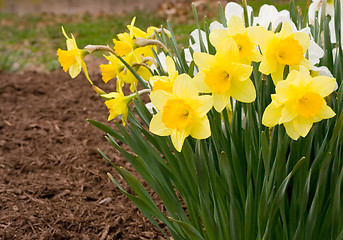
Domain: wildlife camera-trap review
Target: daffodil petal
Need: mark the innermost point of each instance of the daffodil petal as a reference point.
(323, 85)
(203, 60)
(243, 71)
(288, 113)
(184, 87)
(278, 74)
(170, 66)
(178, 137)
(201, 104)
(236, 26)
(217, 36)
(303, 39)
(74, 70)
(302, 125)
(243, 91)
(201, 128)
(290, 130)
(199, 81)
(271, 115)
(268, 65)
(325, 113)
(220, 101)
(159, 98)
(158, 127)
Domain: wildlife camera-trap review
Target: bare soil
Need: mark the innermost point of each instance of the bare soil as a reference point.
(53, 182)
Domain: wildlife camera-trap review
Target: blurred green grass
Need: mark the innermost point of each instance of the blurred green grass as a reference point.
(31, 41)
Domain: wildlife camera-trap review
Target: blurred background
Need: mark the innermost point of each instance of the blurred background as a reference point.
(30, 30)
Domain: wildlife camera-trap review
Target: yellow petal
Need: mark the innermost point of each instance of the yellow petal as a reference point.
(199, 81)
(266, 40)
(242, 72)
(325, 113)
(84, 67)
(288, 113)
(227, 52)
(74, 70)
(323, 85)
(302, 125)
(201, 104)
(159, 98)
(236, 26)
(286, 30)
(278, 74)
(243, 91)
(157, 126)
(257, 34)
(201, 128)
(170, 66)
(178, 137)
(203, 60)
(220, 101)
(290, 130)
(184, 87)
(306, 63)
(268, 65)
(303, 39)
(217, 36)
(271, 115)
(283, 90)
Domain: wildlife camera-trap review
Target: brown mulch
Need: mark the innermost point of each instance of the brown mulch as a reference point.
(53, 182)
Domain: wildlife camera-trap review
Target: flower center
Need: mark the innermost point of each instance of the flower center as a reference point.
(244, 45)
(177, 114)
(289, 51)
(219, 80)
(309, 104)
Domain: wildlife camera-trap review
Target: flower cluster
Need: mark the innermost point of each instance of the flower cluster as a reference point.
(184, 91)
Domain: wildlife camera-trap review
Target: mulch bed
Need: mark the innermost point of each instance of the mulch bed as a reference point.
(53, 182)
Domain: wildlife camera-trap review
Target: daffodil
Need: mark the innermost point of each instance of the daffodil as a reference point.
(112, 69)
(181, 113)
(281, 49)
(165, 83)
(118, 105)
(224, 76)
(72, 58)
(299, 102)
(246, 39)
(127, 41)
(269, 16)
(126, 76)
(317, 6)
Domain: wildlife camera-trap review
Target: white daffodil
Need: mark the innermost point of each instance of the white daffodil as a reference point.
(231, 9)
(194, 43)
(268, 14)
(316, 6)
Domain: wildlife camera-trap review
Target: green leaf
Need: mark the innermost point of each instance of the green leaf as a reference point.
(191, 232)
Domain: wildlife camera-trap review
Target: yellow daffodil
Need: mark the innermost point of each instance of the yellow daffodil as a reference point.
(299, 102)
(246, 39)
(71, 59)
(224, 76)
(112, 69)
(181, 113)
(126, 76)
(126, 44)
(281, 49)
(165, 83)
(118, 105)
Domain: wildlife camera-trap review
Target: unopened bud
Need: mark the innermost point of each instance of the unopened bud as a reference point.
(142, 42)
(98, 90)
